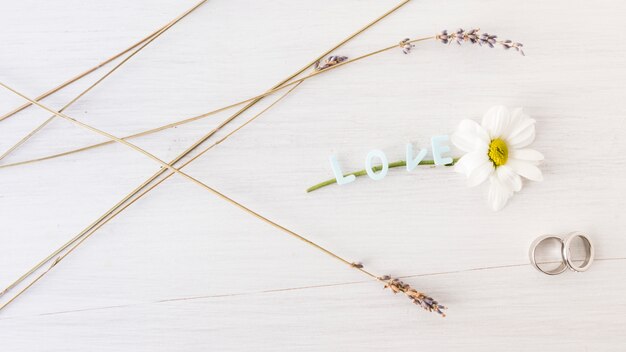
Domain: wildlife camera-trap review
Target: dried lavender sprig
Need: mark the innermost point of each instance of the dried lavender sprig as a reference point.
(331, 61)
(507, 44)
(419, 298)
(475, 37)
(406, 45)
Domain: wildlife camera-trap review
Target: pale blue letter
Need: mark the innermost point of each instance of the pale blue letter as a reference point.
(368, 164)
(411, 163)
(439, 150)
(341, 179)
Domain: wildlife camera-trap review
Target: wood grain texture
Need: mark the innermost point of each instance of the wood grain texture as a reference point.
(183, 270)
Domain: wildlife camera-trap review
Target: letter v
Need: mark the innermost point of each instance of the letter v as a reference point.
(411, 162)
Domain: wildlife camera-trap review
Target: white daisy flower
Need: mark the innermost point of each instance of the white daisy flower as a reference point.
(496, 150)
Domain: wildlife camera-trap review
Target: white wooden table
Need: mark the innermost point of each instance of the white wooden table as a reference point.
(182, 270)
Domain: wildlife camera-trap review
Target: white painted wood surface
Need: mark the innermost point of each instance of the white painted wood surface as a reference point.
(181, 270)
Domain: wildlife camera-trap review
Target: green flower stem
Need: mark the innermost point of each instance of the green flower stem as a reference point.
(399, 163)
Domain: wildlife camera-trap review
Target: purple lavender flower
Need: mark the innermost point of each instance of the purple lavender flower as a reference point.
(406, 45)
(475, 37)
(331, 61)
(419, 298)
(444, 37)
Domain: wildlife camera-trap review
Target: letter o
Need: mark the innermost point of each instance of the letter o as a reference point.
(369, 168)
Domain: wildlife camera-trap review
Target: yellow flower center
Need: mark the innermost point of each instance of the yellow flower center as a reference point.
(498, 152)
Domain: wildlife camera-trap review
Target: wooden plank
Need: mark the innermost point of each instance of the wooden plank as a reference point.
(182, 270)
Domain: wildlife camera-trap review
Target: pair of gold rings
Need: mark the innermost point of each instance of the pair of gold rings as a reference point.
(565, 252)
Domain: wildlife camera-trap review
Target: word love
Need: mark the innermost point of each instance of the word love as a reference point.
(439, 148)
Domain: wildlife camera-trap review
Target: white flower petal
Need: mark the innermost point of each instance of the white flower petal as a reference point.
(499, 194)
(470, 136)
(470, 161)
(468, 143)
(496, 121)
(525, 169)
(521, 131)
(525, 154)
(509, 178)
(517, 115)
(523, 139)
(480, 174)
